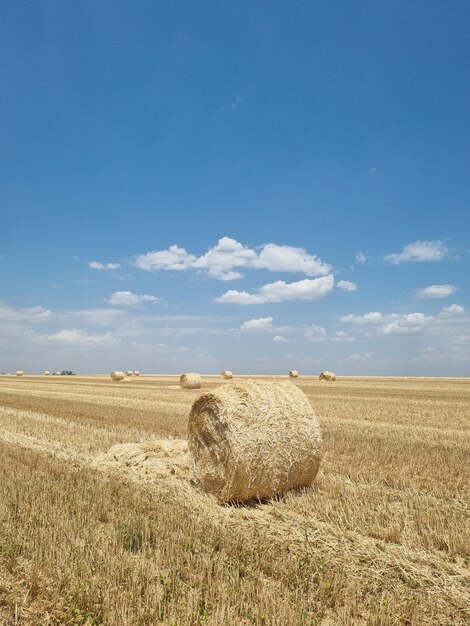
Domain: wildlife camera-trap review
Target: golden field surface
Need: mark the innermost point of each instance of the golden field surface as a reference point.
(92, 538)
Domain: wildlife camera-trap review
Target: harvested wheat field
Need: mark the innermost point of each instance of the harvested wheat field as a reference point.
(100, 524)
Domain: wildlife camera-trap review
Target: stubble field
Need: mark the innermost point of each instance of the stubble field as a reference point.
(123, 538)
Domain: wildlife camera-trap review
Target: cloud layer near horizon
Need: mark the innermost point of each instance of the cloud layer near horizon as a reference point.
(57, 339)
(129, 321)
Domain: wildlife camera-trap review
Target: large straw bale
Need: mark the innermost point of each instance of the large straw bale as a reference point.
(253, 439)
(136, 373)
(129, 373)
(19, 373)
(227, 375)
(327, 375)
(190, 381)
(46, 372)
(293, 374)
(118, 375)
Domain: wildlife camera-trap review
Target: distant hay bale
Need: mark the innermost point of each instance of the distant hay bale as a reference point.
(227, 375)
(293, 374)
(129, 373)
(19, 373)
(253, 439)
(136, 373)
(190, 381)
(117, 375)
(327, 376)
(46, 372)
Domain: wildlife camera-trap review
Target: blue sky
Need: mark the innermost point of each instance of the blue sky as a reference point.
(246, 185)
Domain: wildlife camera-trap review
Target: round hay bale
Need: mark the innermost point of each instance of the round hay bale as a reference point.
(190, 381)
(293, 374)
(253, 439)
(117, 375)
(136, 373)
(19, 373)
(129, 373)
(227, 375)
(327, 376)
(46, 373)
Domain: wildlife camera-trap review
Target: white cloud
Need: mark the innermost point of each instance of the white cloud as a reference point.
(98, 316)
(342, 336)
(357, 357)
(419, 251)
(360, 258)
(174, 258)
(453, 309)
(288, 259)
(435, 291)
(308, 289)
(96, 265)
(374, 317)
(280, 339)
(260, 324)
(392, 324)
(406, 324)
(228, 255)
(127, 298)
(9, 313)
(79, 338)
(346, 285)
(234, 104)
(315, 333)
(220, 260)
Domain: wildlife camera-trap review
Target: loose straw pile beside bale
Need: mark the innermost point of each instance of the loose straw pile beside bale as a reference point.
(19, 373)
(162, 458)
(327, 376)
(46, 372)
(117, 375)
(190, 381)
(253, 439)
(293, 374)
(227, 375)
